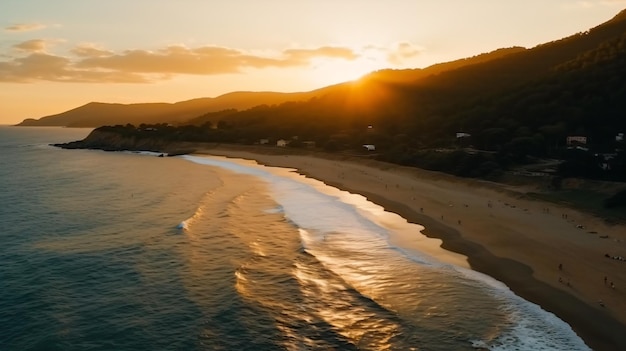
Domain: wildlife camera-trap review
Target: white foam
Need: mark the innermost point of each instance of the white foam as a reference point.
(533, 328)
(319, 211)
(301, 200)
(145, 153)
(184, 225)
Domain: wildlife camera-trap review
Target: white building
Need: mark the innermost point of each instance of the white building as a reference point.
(576, 140)
(370, 147)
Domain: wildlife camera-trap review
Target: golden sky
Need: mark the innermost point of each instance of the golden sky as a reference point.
(58, 55)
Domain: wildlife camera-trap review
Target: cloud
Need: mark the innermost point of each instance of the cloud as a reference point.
(401, 52)
(89, 63)
(207, 60)
(90, 50)
(24, 27)
(304, 55)
(42, 66)
(35, 45)
(171, 60)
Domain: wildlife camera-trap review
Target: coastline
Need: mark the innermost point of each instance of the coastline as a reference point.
(536, 248)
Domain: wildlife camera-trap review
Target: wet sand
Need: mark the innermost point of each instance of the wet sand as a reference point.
(550, 255)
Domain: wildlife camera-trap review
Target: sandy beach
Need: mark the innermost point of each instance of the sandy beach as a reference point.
(551, 255)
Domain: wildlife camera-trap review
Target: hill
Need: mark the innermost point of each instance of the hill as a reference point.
(95, 114)
(412, 75)
(572, 86)
(512, 106)
(200, 110)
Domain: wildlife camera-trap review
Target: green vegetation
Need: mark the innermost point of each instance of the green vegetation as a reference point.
(515, 106)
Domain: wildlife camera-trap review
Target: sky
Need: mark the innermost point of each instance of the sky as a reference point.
(58, 55)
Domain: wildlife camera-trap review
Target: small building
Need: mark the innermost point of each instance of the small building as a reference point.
(281, 143)
(370, 147)
(619, 137)
(576, 140)
(264, 141)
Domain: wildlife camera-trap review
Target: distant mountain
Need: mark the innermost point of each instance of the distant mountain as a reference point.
(511, 106)
(513, 102)
(95, 114)
(199, 110)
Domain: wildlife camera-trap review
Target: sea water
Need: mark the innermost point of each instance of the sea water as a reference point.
(128, 251)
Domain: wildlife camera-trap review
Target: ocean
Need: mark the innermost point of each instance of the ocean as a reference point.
(129, 251)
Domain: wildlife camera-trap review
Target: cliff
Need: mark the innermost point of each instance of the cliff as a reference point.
(110, 141)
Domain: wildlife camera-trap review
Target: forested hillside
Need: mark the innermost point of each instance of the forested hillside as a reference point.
(520, 104)
(511, 106)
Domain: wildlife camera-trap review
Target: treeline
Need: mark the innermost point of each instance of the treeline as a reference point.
(456, 160)
(514, 106)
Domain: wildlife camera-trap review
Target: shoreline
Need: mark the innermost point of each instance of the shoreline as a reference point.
(530, 274)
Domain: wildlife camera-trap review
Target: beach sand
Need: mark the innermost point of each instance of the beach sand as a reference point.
(537, 249)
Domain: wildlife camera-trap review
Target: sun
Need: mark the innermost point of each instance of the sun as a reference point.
(328, 71)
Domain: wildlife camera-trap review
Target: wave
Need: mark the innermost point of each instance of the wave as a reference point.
(182, 225)
(187, 223)
(146, 153)
(349, 236)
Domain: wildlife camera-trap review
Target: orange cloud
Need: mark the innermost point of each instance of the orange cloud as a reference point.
(402, 52)
(305, 55)
(24, 27)
(35, 45)
(90, 50)
(90, 63)
(207, 60)
(174, 59)
(41, 66)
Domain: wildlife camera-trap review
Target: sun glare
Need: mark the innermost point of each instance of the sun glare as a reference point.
(333, 71)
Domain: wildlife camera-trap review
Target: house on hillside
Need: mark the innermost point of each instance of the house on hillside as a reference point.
(370, 147)
(576, 140)
(461, 138)
(281, 143)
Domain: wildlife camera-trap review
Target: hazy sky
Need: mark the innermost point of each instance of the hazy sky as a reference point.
(57, 55)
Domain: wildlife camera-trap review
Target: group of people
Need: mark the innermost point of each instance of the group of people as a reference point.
(611, 284)
(619, 258)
